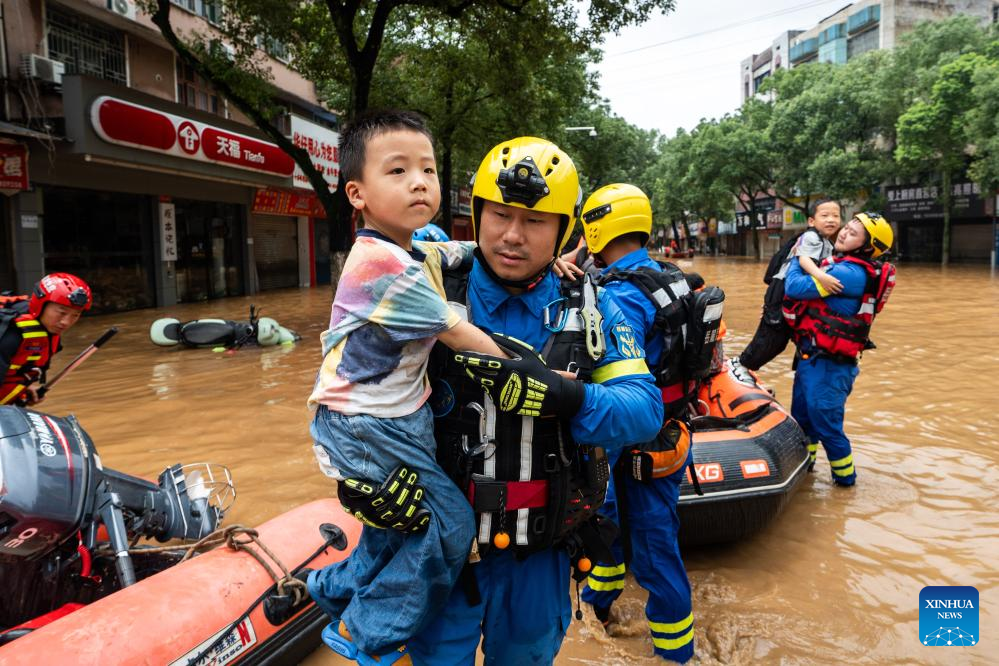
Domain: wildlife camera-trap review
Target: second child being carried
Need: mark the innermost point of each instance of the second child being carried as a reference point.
(811, 247)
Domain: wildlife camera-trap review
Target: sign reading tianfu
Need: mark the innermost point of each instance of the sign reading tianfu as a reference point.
(128, 124)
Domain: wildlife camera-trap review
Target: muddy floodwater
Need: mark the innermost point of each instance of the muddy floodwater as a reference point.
(835, 579)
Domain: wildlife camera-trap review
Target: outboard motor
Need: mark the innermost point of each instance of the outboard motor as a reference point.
(55, 496)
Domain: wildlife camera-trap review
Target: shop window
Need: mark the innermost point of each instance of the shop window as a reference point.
(106, 239)
(85, 47)
(196, 92)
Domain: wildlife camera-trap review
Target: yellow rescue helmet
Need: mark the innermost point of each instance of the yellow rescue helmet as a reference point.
(615, 210)
(528, 172)
(879, 232)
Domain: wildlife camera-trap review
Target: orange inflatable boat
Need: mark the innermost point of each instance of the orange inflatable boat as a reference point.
(750, 456)
(75, 593)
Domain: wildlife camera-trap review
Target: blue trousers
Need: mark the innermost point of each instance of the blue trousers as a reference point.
(522, 618)
(818, 404)
(655, 561)
(392, 584)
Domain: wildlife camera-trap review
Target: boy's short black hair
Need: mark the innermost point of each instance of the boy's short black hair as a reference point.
(814, 208)
(367, 125)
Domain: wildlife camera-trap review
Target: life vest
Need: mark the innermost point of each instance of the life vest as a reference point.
(524, 476)
(689, 323)
(842, 336)
(29, 363)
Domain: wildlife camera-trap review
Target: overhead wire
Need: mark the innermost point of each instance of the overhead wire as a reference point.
(729, 26)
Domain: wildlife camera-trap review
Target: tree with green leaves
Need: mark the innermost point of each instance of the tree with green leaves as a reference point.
(731, 155)
(347, 42)
(983, 119)
(934, 133)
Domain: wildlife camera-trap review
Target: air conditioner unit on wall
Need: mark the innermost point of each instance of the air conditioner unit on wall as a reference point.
(34, 66)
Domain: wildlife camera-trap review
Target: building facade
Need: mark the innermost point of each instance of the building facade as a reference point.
(857, 28)
(138, 176)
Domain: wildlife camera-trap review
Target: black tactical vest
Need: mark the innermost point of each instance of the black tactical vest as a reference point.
(524, 476)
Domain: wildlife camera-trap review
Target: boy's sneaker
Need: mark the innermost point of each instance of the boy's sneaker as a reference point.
(339, 640)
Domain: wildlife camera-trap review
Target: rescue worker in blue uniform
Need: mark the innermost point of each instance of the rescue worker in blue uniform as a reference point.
(831, 331)
(521, 439)
(618, 222)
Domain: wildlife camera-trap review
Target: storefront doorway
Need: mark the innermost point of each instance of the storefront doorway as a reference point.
(275, 251)
(106, 239)
(209, 252)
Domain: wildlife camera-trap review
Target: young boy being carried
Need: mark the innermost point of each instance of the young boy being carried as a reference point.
(372, 419)
(811, 247)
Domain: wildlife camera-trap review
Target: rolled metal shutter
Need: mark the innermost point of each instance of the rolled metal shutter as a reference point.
(275, 251)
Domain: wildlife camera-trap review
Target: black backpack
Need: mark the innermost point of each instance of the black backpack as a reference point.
(781, 256)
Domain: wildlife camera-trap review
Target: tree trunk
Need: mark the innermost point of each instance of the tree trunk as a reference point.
(753, 219)
(446, 177)
(945, 253)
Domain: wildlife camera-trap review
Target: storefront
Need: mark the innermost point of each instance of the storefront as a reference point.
(917, 215)
(151, 203)
(104, 237)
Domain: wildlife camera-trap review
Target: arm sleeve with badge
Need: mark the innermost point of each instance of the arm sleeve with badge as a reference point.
(622, 406)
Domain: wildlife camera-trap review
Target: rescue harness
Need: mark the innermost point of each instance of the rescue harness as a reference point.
(689, 323)
(31, 360)
(842, 337)
(530, 484)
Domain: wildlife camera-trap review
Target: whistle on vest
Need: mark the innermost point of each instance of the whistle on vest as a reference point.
(592, 320)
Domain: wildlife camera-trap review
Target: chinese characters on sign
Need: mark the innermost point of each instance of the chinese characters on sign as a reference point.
(282, 202)
(124, 123)
(920, 203)
(13, 167)
(322, 144)
(168, 232)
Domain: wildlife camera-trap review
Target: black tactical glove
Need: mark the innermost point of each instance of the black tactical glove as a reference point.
(523, 383)
(395, 505)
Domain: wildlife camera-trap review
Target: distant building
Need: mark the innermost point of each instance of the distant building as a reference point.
(756, 68)
(858, 27)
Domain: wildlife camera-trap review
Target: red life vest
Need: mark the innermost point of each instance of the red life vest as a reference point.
(35, 351)
(836, 333)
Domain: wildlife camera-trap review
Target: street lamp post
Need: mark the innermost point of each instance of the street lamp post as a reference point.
(591, 129)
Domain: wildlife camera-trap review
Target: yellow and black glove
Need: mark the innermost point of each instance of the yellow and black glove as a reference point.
(394, 505)
(523, 383)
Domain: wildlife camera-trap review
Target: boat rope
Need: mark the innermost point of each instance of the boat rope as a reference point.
(231, 537)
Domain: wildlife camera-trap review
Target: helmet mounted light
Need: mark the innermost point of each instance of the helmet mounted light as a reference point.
(596, 213)
(522, 183)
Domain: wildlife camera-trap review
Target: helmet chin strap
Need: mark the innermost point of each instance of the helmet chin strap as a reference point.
(528, 284)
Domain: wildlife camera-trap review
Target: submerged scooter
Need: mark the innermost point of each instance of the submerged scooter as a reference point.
(226, 333)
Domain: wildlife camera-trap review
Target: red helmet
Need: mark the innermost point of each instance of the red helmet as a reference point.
(61, 288)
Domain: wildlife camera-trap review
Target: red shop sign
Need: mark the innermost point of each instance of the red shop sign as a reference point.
(13, 167)
(127, 124)
(287, 202)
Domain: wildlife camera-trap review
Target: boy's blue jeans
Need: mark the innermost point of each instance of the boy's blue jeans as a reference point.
(392, 584)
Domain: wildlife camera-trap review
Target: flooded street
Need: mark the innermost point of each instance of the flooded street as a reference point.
(835, 579)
